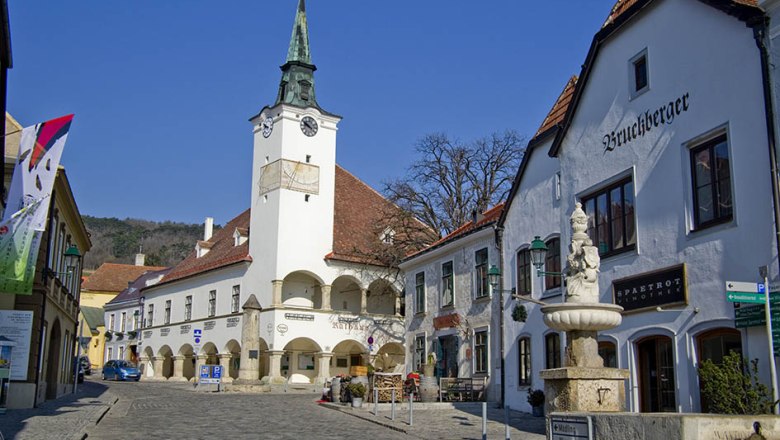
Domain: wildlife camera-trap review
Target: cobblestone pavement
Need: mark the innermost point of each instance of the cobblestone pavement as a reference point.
(464, 422)
(66, 418)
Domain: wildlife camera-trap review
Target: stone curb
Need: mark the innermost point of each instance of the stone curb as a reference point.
(357, 413)
(93, 421)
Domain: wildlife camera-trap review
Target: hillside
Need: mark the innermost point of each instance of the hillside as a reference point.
(117, 241)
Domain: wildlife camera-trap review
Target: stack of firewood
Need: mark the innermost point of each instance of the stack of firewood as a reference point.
(385, 382)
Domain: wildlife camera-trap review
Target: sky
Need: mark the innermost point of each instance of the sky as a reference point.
(162, 90)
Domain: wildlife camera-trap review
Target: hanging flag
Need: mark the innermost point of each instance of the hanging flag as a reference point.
(29, 196)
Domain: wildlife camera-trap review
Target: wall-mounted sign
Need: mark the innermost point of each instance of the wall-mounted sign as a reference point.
(16, 326)
(446, 321)
(148, 334)
(282, 328)
(570, 427)
(649, 290)
(209, 325)
(164, 331)
(298, 317)
(645, 122)
(184, 329)
(232, 322)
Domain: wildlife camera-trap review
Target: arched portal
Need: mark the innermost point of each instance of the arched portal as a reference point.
(301, 289)
(298, 361)
(345, 294)
(210, 351)
(53, 363)
(166, 354)
(146, 364)
(346, 354)
(232, 364)
(382, 298)
(390, 358)
(186, 356)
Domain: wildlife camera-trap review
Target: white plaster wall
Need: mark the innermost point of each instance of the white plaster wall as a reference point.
(479, 314)
(713, 58)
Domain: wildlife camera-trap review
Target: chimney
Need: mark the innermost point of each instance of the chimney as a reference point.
(140, 259)
(208, 228)
(474, 216)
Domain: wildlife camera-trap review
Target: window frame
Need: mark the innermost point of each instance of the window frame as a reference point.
(123, 322)
(419, 352)
(710, 144)
(633, 62)
(188, 308)
(524, 366)
(606, 190)
(481, 352)
(419, 292)
(552, 350)
(112, 322)
(150, 315)
(524, 275)
(235, 299)
(212, 303)
(553, 255)
(447, 280)
(481, 287)
(167, 313)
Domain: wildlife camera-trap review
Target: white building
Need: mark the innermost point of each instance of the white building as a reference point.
(450, 309)
(665, 144)
(285, 291)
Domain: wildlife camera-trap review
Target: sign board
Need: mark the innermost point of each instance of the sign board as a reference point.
(197, 334)
(649, 290)
(741, 291)
(570, 428)
(216, 372)
(16, 326)
(205, 372)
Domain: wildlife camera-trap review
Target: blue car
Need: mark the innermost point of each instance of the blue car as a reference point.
(120, 370)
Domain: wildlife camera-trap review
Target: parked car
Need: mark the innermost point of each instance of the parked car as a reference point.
(85, 364)
(120, 370)
(80, 378)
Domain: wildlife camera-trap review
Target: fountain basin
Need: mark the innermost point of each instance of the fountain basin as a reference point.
(582, 316)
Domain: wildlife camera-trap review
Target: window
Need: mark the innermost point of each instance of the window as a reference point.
(524, 272)
(552, 263)
(481, 269)
(167, 319)
(110, 353)
(524, 361)
(611, 218)
(481, 351)
(711, 175)
(608, 352)
(122, 322)
(150, 316)
(640, 81)
(111, 322)
(552, 345)
(234, 301)
(121, 352)
(212, 303)
(447, 296)
(188, 308)
(419, 352)
(419, 292)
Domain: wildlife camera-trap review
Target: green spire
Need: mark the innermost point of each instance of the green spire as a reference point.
(297, 85)
(299, 42)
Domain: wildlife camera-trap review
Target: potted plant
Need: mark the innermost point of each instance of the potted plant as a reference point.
(108, 335)
(357, 391)
(536, 400)
(428, 369)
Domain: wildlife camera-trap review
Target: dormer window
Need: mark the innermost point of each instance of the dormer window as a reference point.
(240, 236)
(305, 88)
(387, 236)
(639, 78)
(202, 248)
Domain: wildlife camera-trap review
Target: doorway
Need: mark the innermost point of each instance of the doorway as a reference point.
(656, 375)
(53, 362)
(448, 362)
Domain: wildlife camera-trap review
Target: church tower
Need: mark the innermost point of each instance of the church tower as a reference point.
(293, 175)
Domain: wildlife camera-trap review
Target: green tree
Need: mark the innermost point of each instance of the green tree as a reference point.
(732, 387)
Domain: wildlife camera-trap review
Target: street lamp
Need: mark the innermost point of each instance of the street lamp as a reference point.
(538, 254)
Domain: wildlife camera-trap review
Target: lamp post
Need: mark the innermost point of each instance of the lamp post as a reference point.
(538, 254)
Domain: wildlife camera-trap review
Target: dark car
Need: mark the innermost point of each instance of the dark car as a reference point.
(80, 378)
(120, 370)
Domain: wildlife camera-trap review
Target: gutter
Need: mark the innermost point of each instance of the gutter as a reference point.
(760, 35)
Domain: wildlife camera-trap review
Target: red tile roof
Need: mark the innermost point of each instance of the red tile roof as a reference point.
(488, 217)
(622, 6)
(558, 110)
(222, 252)
(111, 277)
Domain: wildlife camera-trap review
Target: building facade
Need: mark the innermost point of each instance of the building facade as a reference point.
(451, 311)
(286, 291)
(666, 146)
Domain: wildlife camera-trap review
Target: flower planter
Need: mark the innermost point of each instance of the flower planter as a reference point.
(357, 402)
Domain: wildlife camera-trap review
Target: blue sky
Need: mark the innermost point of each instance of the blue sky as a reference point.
(162, 90)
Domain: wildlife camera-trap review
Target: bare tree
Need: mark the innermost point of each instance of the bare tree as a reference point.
(450, 179)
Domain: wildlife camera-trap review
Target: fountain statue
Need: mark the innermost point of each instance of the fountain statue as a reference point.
(583, 384)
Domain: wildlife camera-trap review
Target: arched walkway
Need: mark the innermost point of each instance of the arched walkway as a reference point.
(298, 361)
(346, 294)
(301, 289)
(146, 363)
(382, 298)
(346, 354)
(390, 357)
(230, 358)
(163, 363)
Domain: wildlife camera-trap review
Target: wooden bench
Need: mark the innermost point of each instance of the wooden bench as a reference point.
(462, 389)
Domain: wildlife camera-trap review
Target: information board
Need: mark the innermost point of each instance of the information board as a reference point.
(16, 325)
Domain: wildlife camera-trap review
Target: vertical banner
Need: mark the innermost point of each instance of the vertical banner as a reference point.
(29, 196)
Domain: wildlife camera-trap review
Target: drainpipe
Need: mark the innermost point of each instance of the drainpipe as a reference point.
(760, 34)
(499, 232)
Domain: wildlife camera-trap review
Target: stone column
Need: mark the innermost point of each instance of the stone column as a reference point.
(249, 372)
(225, 359)
(178, 369)
(275, 366)
(158, 367)
(143, 365)
(323, 370)
(363, 301)
(325, 288)
(397, 307)
(276, 293)
(200, 359)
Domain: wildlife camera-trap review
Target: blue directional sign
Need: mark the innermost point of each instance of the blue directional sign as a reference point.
(197, 334)
(204, 371)
(216, 372)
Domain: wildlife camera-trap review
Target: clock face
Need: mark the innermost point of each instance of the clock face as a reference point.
(267, 126)
(309, 126)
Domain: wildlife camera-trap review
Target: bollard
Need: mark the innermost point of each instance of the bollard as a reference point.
(484, 420)
(392, 405)
(506, 423)
(411, 413)
(376, 401)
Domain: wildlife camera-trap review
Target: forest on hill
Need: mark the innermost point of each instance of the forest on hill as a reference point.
(117, 241)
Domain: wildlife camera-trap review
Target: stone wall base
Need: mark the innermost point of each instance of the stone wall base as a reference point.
(584, 389)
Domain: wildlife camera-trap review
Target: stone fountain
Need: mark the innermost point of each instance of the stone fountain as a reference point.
(583, 384)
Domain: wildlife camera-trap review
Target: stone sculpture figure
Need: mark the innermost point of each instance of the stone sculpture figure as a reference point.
(582, 274)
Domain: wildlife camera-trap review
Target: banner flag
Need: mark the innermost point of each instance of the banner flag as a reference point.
(24, 220)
